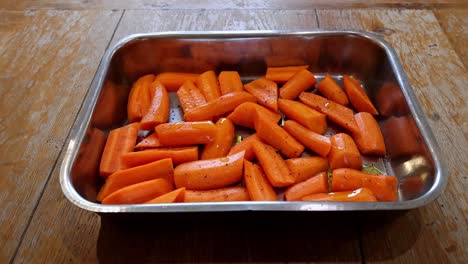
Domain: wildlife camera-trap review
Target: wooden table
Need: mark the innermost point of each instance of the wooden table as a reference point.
(49, 53)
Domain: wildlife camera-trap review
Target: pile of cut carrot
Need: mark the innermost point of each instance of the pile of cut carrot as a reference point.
(200, 160)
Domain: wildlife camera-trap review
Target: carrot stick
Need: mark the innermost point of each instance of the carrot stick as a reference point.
(176, 196)
(120, 140)
(383, 187)
(139, 193)
(243, 114)
(304, 115)
(265, 91)
(210, 174)
(190, 96)
(305, 167)
(173, 80)
(401, 137)
(273, 164)
(332, 91)
(359, 195)
(219, 106)
(158, 112)
(257, 184)
(247, 146)
(178, 155)
(369, 139)
(186, 133)
(300, 82)
(231, 194)
(337, 113)
(208, 84)
(229, 81)
(283, 74)
(155, 170)
(313, 185)
(222, 142)
(151, 141)
(276, 136)
(139, 99)
(313, 141)
(358, 96)
(344, 153)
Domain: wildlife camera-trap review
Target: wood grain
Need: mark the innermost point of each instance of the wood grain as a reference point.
(436, 233)
(47, 61)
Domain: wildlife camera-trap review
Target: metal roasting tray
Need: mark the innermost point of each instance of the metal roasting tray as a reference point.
(413, 155)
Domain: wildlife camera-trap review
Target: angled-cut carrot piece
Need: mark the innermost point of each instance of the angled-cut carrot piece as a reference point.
(186, 133)
(359, 195)
(176, 196)
(222, 142)
(139, 99)
(313, 185)
(358, 96)
(257, 184)
(155, 170)
(265, 91)
(190, 96)
(283, 74)
(247, 146)
(276, 136)
(139, 193)
(344, 152)
(210, 174)
(208, 84)
(158, 112)
(369, 139)
(306, 116)
(305, 167)
(337, 113)
(120, 140)
(244, 113)
(178, 155)
(173, 80)
(383, 187)
(313, 141)
(151, 141)
(219, 106)
(231, 194)
(300, 82)
(332, 91)
(229, 82)
(273, 165)
(401, 137)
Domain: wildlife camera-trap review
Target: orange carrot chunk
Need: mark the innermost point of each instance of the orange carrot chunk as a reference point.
(401, 136)
(247, 146)
(305, 167)
(139, 193)
(222, 143)
(306, 116)
(244, 113)
(210, 174)
(139, 99)
(229, 82)
(176, 196)
(186, 133)
(208, 84)
(315, 184)
(283, 74)
(190, 96)
(300, 82)
(337, 113)
(178, 155)
(313, 141)
(273, 164)
(173, 80)
(151, 141)
(332, 91)
(120, 140)
(257, 184)
(369, 139)
(231, 194)
(358, 96)
(155, 170)
(359, 195)
(344, 153)
(158, 111)
(383, 187)
(265, 91)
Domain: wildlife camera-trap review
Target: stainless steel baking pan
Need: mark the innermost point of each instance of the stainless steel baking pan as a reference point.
(413, 157)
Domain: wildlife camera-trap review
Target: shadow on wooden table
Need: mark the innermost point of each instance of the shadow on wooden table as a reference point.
(233, 237)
